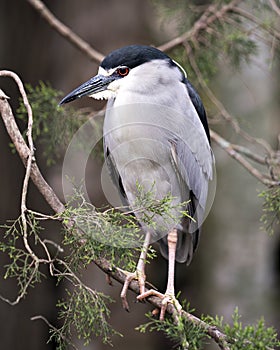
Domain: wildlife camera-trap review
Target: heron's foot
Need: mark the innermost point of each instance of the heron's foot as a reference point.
(165, 300)
(137, 275)
(109, 280)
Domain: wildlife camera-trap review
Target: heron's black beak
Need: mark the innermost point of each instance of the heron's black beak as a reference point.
(96, 84)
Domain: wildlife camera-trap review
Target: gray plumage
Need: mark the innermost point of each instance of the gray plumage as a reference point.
(156, 134)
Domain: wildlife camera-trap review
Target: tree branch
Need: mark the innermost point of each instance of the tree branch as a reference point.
(119, 275)
(219, 105)
(28, 162)
(224, 113)
(54, 202)
(23, 151)
(230, 149)
(65, 31)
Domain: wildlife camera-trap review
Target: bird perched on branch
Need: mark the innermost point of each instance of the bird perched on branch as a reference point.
(155, 134)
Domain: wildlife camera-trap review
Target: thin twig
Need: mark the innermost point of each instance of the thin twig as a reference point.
(41, 216)
(29, 161)
(224, 113)
(243, 13)
(275, 7)
(65, 31)
(248, 153)
(224, 144)
(51, 327)
(23, 151)
(26, 285)
(208, 17)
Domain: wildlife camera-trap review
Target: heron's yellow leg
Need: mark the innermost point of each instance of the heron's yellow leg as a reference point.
(169, 296)
(139, 274)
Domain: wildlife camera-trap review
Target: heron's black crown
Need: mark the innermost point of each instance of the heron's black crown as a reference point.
(133, 56)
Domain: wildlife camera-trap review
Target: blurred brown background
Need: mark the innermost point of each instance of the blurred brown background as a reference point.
(237, 264)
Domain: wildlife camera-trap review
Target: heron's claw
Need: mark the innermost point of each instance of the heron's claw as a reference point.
(109, 280)
(165, 300)
(137, 275)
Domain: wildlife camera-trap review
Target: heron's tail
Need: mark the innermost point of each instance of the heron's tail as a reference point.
(186, 246)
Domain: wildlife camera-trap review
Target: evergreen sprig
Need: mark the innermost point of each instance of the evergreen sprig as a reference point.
(22, 266)
(248, 337)
(183, 333)
(84, 312)
(188, 335)
(53, 126)
(271, 208)
(112, 233)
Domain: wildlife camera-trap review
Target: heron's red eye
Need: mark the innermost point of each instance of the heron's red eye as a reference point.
(123, 71)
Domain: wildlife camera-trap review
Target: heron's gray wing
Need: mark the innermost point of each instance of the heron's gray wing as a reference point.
(195, 167)
(198, 105)
(192, 153)
(114, 174)
(193, 160)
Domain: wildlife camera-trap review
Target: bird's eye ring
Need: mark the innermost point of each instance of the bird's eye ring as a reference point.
(123, 71)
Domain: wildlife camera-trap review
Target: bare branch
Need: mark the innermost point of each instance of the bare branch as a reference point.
(263, 160)
(65, 31)
(119, 275)
(275, 7)
(224, 113)
(23, 151)
(29, 159)
(224, 144)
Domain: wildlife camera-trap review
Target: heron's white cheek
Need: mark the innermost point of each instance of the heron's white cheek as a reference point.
(110, 92)
(115, 85)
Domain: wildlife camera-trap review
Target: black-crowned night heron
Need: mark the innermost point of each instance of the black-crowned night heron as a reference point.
(157, 137)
